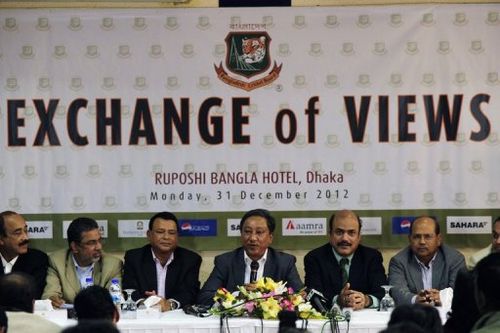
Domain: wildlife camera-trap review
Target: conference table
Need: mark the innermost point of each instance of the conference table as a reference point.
(363, 321)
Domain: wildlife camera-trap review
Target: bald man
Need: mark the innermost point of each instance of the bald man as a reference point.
(425, 266)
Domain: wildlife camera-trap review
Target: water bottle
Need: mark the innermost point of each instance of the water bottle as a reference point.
(116, 292)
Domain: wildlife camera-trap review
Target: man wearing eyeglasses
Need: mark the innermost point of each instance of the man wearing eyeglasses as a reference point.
(15, 254)
(162, 268)
(255, 259)
(419, 271)
(70, 269)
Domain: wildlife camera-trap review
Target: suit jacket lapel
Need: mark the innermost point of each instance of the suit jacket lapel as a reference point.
(438, 272)
(173, 271)
(333, 267)
(415, 273)
(97, 273)
(149, 269)
(270, 265)
(238, 265)
(71, 276)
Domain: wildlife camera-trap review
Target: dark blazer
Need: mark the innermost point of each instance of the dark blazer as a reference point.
(406, 278)
(229, 272)
(34, 263)
(182, 281)
(366, 273)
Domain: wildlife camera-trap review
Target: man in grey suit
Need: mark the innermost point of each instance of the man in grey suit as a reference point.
(426, 266)
(255, 259)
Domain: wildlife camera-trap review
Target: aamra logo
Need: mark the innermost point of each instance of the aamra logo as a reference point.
(247, 56)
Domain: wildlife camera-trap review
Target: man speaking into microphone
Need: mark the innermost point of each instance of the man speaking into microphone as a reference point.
(255, 259)
(344, 271)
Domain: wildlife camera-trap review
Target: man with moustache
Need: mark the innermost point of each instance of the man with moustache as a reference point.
(233, 269)
(15, 254)
(70, 268)
(493, 247)
(343, 270)
(162, 268)
(419, 271)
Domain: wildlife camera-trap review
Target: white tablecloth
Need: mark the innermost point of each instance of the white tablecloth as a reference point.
(364, 321)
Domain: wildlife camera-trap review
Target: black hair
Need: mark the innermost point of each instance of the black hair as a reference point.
(330, 222)
(464, 311)
(427, 317)
(17, 292)
(3, 215)
(486, 277)
(92, 326)
(94, 302)
(78, 226)
(163, 216)
(271, 224)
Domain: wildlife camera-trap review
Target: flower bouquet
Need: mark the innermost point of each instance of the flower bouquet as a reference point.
(265, 301)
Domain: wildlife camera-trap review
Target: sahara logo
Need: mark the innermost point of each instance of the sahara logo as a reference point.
(247, 55)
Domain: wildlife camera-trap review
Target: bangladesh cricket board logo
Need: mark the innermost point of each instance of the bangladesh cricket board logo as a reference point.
(247, 56)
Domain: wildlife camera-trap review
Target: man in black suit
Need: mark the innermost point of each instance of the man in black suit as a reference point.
(254, 260)
(15, 254)
(346, 272)
(162, 268)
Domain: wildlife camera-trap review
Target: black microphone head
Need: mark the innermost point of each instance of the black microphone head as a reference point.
(287, 318)
(317, 300)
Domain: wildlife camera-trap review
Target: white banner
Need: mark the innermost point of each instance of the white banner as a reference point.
(198, 110)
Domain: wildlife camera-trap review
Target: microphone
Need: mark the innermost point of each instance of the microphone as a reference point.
(287, 320)
(317, 300)
(254, 267)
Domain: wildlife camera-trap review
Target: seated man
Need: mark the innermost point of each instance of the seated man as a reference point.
(232, 269)
(358, 284)
(487, 294)
(15, 254)
(70, 268)
(95, 302)
(17, 297)
(493, 247)
(162, 268)
(419, 271)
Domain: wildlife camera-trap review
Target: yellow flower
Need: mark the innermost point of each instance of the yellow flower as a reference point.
(296, 299)
(270, 308)
(270, 285)
(260, 284)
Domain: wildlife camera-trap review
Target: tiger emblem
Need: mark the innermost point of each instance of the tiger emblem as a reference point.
(254, 49)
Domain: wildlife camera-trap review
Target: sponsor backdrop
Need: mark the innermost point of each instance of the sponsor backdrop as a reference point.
(392, 111)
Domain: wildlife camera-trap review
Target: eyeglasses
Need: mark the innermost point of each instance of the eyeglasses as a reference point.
(93, 243)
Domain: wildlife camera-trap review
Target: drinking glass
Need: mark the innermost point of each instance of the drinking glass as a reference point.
(129, 308)
(387, 302)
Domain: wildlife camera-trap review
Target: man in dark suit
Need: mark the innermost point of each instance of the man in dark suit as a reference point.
(419, 271)
(254, 260)
(15, 254)
(162, 268)
(346, 272)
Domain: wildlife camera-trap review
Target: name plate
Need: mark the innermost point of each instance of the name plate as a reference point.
(149, 313)
(61, 314)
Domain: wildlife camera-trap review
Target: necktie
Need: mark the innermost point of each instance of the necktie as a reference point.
(254, 267)
(343, 268)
